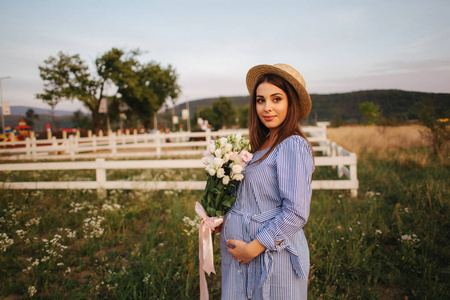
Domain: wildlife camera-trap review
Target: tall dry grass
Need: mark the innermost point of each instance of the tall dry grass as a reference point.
(360, 139)
(407, 144)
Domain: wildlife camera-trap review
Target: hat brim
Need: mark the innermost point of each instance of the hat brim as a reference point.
(303, 96)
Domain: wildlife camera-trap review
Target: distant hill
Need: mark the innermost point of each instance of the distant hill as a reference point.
(21, 110)
(62, 117)
(398, 104)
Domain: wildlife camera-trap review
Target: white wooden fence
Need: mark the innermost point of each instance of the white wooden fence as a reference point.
(345, 162)
(131, 146)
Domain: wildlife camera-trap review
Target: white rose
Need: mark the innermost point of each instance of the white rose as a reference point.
(218, 153)
(238, 138)
(212, 162)
(205, 160)
(238, 177)
(226, 180)
(228, 147)
(223, 142)
(226, 157)
(218, 162)
(220, 173)
(237, 169)
(212, 172)
(212, 147)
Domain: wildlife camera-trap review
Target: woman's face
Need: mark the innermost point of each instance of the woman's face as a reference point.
(271, 105)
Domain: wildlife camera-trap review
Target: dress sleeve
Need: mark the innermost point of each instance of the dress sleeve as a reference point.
(295, 166)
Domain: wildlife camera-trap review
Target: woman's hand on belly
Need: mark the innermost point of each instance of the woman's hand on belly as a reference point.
(245, 252)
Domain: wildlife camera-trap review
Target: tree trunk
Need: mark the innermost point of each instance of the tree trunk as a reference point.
(96, 122)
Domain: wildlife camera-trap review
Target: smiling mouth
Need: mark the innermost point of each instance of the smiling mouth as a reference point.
(269, 118)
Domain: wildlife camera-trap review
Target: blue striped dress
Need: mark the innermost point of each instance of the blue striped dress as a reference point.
(272, 205)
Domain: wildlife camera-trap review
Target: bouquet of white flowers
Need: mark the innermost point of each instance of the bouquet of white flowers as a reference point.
(225, 159)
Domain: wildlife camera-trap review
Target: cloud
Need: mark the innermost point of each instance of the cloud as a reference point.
(402, 66)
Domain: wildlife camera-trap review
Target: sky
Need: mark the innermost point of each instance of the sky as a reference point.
(337, 46)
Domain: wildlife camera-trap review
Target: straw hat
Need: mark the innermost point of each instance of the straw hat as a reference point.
(289, 74)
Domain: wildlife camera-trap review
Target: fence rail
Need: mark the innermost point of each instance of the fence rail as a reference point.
(131, 146)
(345, 162)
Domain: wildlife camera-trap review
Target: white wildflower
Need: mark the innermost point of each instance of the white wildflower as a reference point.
(92, 227)
(34, 221)
(5, 242)
(410, 239)
(21, 233)
(146, 278)
(378, 231)
(31, 291)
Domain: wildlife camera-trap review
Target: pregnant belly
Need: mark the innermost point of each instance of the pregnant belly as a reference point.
(238, 227)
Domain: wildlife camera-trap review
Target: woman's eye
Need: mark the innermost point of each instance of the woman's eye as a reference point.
(277, 99)
(260, 100)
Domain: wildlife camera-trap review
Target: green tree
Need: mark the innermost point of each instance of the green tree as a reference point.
(143, 87)
(80, 120)
(209, 115)
(370, 112)
(225, 112)
(147, 90)
(61, 75)
(30, 117)
(438, 130)
(243, 115)
(221, 114)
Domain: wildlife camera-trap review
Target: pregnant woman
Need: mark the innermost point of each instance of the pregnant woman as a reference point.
(264, 251)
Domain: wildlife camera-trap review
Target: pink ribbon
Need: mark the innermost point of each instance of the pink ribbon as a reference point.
(205, 247)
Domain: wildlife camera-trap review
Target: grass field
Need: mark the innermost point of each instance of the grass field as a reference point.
(389, 243)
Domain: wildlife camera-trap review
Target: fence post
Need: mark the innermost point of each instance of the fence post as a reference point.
(76, 141)
(113, 144)
(158, 143)
(100, 175)
(340, 167)
(208, 137)
(55, 145)
(333, 151)
(34, 148)
(28, 147)
(94, 143)
(354, 175)
(71, 147)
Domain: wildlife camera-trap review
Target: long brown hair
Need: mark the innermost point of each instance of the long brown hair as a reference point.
(290, 126)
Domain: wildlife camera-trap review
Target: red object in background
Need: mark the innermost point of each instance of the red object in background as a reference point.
(48, 128)
(22, 132)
